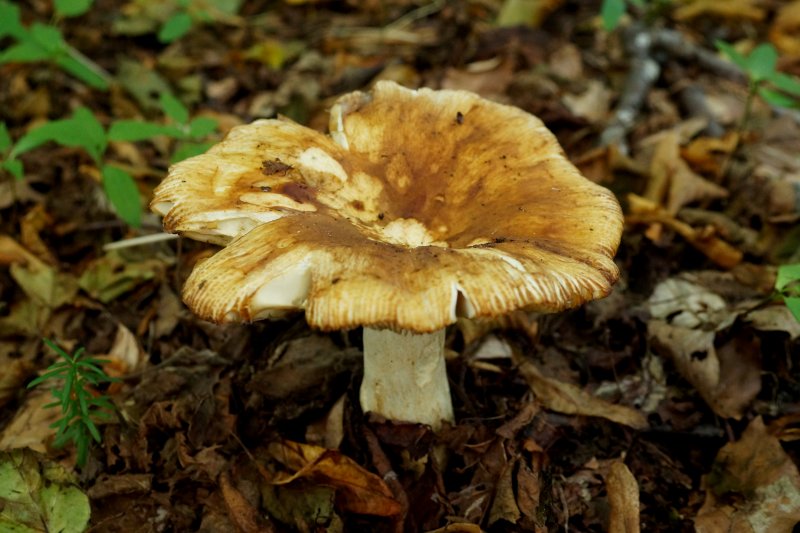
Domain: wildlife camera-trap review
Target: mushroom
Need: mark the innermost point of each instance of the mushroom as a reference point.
(419, 207)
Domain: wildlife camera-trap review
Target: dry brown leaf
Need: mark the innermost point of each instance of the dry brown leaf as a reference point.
(30, 427)
(708, 154)
(458, 528)
(12, 377)
(623, 498)
(733, 9)
(357, 490)
(753, 487)
(240, 511)
(592, 104)
(785, 30)
(34, 221)
(643, 211)
(686, 318)
(504, 505)
(672, 180)
(569, 399)
(489, 78)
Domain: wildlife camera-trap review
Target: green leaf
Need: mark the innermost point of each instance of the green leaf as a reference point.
(175, 27)
(762, 61)
(83, 72)
(24, 52)
(733, 54)
(11, 21)
(138, 130)
(5, 137)
(72, 8)
(787, 274)
(173, 108)
(778, 99)
(39, 495)
(187, 150)
(14, 167)
(611, 13)
(121, 190)
(199, 127)
(793, 303)
(785, 83)
(49, 38)
(81, 130)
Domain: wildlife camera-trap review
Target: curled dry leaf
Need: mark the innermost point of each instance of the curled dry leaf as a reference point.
(644, 211)
(753, 487)
(685, 320)
(357, 490)
(570, 399)
(623, 498)
(672, 181)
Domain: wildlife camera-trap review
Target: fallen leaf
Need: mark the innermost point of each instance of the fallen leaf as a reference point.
(358, 491)
(569, 399)
(504, 505)
(111, 276)
(12, 378)
(733, 9)
(643, 211)
(672, 183)
(753, 486)
(623, 498)
(240, 511)
(526, 12)
(785, 30)
(685, 320)
(39, 495)
(306, 508)
(709, 154)
(592, 104)
(30, 427)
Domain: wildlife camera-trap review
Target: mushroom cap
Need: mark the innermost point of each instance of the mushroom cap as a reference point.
(418, 207)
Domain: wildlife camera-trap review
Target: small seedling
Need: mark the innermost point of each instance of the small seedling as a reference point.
(42, 42)
(83, 130)
(611, 12)
(787, 285)
(74, 378)
(7, 163)
(776, 88)
(189, 132)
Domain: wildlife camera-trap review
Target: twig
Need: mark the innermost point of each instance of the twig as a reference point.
(644, 71)
(139, 241)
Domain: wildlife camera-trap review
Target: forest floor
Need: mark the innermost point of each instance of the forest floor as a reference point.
(673, 403)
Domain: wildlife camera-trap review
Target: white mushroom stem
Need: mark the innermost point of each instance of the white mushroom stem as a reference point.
(405, 377)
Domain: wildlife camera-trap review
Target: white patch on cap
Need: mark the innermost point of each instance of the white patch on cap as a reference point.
(289, 290)
(409, 232)
(317, 159)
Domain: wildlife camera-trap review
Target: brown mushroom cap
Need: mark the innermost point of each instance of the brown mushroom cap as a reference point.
(421, 206)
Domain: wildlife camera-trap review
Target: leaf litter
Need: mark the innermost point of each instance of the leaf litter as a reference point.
(671, 405)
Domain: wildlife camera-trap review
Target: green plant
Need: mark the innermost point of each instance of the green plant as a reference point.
(42, 42)
(764, 80)
(189, 132)
(172, 19)
(7, 163)
(75, 378)
(71, 8)
(83, 130)
(787, 285)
